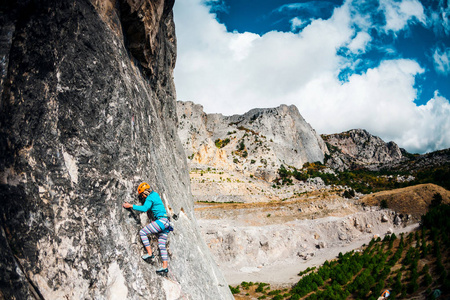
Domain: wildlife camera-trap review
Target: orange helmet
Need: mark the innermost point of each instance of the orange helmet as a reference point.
(142, 187)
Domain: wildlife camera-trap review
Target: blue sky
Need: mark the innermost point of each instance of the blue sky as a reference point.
(378, 65)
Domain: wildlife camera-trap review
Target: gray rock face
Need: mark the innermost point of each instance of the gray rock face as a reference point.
(436, 159)
(86, 114)
(259, 141)
(357, 148)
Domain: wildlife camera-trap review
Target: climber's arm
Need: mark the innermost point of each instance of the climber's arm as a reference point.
(147, 205)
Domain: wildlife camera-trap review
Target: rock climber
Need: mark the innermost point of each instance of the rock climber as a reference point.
(161, 226)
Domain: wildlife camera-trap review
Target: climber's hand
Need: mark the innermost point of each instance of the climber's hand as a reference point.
(127, 205)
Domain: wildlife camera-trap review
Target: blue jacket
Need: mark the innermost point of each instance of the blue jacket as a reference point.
(153, 202)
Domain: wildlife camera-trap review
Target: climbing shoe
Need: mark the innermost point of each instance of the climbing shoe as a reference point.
(162, 271)
(147, 257)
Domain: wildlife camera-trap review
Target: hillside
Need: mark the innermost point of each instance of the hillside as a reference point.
(412, 200)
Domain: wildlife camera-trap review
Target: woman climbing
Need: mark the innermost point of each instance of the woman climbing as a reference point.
(160, 226)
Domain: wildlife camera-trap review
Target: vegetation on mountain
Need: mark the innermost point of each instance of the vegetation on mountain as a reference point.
(221, 143)
(366, 181)
(411, 266)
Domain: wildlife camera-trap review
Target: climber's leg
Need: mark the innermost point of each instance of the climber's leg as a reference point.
(162, 240)
(150, 228)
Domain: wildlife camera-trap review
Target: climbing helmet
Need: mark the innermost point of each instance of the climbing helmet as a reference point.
(142, 187)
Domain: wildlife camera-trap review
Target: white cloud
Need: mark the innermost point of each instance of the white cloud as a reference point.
(441, 59)
(297, 23)
(398, 14)
(431, 127)
(241, 44)
(232, 73)
(360, 42)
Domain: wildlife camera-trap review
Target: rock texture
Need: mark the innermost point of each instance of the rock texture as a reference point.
(359, 149)
(87, 111)
(257, 142)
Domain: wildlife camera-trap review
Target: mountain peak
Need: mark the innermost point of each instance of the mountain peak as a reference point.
(258, 141)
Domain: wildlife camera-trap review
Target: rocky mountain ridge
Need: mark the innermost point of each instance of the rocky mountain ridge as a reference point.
(357, 148)
(239, 158)
(87, 112)
(257, 142)
(275, 136)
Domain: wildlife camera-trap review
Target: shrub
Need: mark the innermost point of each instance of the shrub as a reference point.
(437, 200)
(349, 194)
(260, 287)
(241, 146)
(221, 143)
(412, 287)
(427, 279)
(274, 292)
(234, 290)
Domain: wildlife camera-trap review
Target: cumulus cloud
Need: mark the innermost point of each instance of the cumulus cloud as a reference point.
(231, 73)
(431, 127)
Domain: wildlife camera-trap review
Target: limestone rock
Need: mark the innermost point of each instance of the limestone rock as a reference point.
(321, 245)
(358, 148)
(88, 111)
(259, 141)
(343, 237)
(306, 255)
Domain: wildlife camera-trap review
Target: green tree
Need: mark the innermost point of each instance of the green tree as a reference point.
(437, 200)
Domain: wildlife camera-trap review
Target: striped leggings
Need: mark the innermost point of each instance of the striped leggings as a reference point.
(157, 227)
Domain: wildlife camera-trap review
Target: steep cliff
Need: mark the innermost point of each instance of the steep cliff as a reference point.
(257, 142)
(358, 148)
(87, 112)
